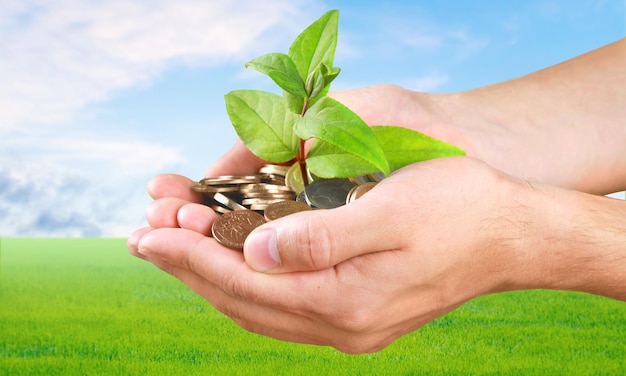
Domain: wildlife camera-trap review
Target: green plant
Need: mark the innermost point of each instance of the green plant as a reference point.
(275, 128)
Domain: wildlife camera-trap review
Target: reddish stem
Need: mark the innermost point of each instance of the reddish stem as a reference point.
(302, 163)
(302, 154)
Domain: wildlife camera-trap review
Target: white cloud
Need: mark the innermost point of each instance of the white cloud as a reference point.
(76, 186)
(128, 158)
(58, 178)
(65, 54)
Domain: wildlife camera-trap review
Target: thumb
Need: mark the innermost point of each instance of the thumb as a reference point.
(319, 239)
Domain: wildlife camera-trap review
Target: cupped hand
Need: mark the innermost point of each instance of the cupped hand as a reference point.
(378, 105)
(421, 243)
(175, 205)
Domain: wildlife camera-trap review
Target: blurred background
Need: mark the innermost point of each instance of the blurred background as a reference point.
(98, 96)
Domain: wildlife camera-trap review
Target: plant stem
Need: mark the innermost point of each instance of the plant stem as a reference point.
(302, 163)
(302, 155)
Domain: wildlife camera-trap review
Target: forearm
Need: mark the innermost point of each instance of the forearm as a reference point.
(569, 240)
(564, 125)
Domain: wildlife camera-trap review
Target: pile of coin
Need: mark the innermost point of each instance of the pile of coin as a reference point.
(246, 202)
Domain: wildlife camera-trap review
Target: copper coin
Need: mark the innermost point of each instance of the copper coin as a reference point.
(284, 208)
(231, 229)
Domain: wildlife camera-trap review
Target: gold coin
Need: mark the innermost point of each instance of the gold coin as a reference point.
(293, 178)
(220, 209)
(272, 179)
(359, 179)
(260, 187)
(284, 208)
(258, 207)
(376, 177)
(231, 229)
(359, 191)
(230, 179)
(272, 169)
(228, 202)
(215, 188)
(284, 195)
(260, 201)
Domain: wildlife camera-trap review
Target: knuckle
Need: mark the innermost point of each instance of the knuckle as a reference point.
(314, 244)
(234, 285)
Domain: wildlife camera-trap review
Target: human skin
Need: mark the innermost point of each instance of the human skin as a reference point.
(519, 212)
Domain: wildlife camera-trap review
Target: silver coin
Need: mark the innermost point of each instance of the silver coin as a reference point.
(328, 193)
(301, 197)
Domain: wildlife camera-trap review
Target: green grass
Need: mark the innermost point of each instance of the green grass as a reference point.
(85, 306)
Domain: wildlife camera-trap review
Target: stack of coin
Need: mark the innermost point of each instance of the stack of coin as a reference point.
(247, 201)
(240, 192)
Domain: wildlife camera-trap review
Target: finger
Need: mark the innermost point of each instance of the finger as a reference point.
(223, 267)
(239, 160)
(316, 240)
(163, 212)
(255, 317)
(132, 244)
(172, 185)
(297, 307)
(196, 217)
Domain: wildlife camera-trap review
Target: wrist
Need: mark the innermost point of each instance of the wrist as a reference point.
(568, 240)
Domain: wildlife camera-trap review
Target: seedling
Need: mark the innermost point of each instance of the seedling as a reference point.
(275, 127)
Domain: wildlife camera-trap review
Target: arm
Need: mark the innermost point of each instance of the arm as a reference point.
(579, 244)
(569, 119)
(564, 125)
(433, 235)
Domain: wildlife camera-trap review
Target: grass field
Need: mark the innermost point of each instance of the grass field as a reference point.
(85, 306)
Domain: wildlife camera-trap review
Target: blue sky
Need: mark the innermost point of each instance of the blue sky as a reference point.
(98, 96)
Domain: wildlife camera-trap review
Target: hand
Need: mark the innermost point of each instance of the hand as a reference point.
(412, 249)
(381, 104)
(172, 194)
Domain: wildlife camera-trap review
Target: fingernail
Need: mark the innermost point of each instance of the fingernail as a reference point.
(261, 251)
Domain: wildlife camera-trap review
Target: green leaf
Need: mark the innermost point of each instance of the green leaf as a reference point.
(403, 146)
(330, 75)
(318, 82)
(334, 123)
(264, 124)
(328, 161)
(282, 70)
(294, 102)
(316, 44)
(315, 82)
